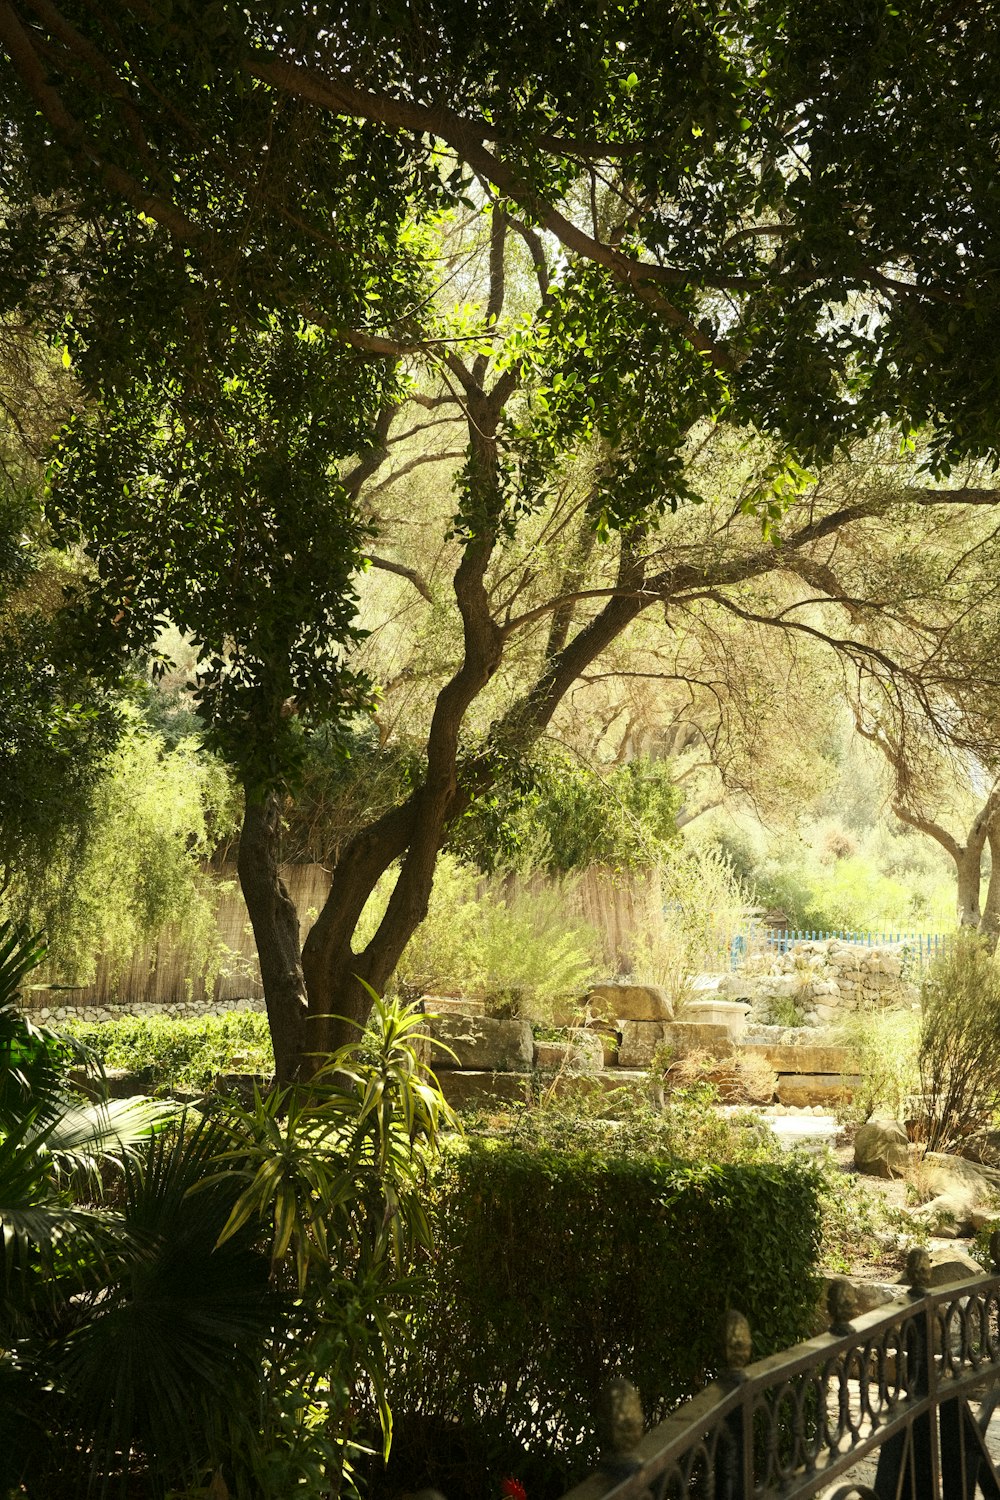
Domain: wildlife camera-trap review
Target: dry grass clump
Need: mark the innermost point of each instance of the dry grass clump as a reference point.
(740, 1078)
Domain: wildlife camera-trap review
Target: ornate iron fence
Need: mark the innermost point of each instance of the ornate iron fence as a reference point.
(894, 1405)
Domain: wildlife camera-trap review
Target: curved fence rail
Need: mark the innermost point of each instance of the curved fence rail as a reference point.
(894, 1405)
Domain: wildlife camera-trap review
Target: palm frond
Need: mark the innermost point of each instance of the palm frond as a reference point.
(84, 1133)
(171, 1357)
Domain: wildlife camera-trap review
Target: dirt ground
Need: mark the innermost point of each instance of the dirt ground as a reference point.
(885, 1233)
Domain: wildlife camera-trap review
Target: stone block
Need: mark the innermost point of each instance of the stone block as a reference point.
(480, 1043)
(471, 1090)
(581, 1053)
(784, 986)
(815, 1088)
(698, 1036)
(122, 1084)
(630, 1002)
(803, 1059)
(640, 1039)
(715, 1011)
(451, 1005)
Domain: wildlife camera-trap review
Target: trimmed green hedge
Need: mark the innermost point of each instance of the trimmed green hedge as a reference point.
(555, 1269)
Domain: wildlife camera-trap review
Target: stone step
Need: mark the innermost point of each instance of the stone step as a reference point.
(803, 1059)
(815, 1088)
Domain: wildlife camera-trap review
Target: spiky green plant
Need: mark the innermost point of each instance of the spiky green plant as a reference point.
(225, 1314)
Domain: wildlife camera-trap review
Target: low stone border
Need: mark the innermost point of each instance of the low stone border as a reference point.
(39, 1006)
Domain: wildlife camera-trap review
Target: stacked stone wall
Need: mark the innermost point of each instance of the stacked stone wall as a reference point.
(40, 1006)
(827, 980)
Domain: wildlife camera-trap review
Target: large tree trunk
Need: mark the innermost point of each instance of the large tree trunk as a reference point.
(968, 857)
(969, 871)
(989, 926)
(276, 931)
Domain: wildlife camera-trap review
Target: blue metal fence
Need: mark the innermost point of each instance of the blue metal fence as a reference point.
(919, 947)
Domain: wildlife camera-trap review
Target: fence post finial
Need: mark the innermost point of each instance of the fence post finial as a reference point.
(995, 1250)
(737, 1345)
(918, 1271)
(842, 1305)
(620, 1426)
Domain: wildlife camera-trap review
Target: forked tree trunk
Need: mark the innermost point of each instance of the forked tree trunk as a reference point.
(275, 925)
(335, 975)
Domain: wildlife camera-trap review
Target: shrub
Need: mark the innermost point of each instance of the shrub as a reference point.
(179, 1052)
(783, 1010)
(556, 1268)
(684, 920)
(885, 1045)
(980, 1248)
(135, 867)
(741, 1078)
(520, 950)
(959, 1060)
(860, 1229)
(220, 1322)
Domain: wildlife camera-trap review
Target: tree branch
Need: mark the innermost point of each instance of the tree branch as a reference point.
(410, 574)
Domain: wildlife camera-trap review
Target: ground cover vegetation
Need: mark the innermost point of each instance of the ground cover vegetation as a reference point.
(169, 1053)
(275, 255)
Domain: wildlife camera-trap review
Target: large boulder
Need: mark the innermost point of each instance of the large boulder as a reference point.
(881, 1149)
(480, 1042)
(950, 1265)
(864, 1297)
(940, 1172)
(954, 1188)
(630, 1002)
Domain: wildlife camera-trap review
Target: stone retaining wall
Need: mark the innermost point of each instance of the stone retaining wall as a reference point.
(828, 980)
(41, 1006)
(478, 1056)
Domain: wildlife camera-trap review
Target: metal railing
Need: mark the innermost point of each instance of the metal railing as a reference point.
(890, 1405)
(918, 948)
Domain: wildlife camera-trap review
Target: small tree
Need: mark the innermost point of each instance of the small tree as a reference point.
(959, 1059)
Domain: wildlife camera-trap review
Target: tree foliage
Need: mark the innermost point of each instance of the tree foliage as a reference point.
(57, 720)
(582, 236)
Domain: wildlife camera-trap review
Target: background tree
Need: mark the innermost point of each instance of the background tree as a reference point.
(57, 720)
